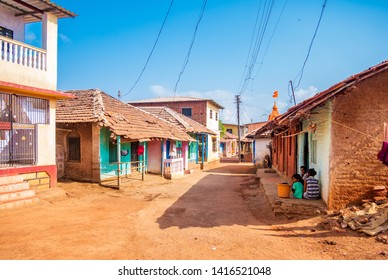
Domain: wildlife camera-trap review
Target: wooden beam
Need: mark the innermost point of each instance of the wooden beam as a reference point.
(28, 6)
(18, 9)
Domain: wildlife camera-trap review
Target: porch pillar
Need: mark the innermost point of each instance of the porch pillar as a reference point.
(185, 154)
(163, 156)
(203, 149)
(118, 161)
(196, 149)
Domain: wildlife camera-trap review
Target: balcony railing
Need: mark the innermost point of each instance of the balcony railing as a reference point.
(23, 54)
(173, 167)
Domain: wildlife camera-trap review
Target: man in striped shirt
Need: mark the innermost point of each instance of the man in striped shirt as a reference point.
(311, 186)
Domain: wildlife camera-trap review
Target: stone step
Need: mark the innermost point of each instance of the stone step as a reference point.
(15, 195)
(11, 179)
(14, 187)
(18, 203)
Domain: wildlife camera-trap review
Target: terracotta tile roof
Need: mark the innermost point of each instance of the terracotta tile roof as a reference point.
(346, 86)
(175, 99)
(228, 135)
(122, 119)
(177, 119)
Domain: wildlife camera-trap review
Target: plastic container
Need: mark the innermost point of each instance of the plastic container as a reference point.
(284, 190)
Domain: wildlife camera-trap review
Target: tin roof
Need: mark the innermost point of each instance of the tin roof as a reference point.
(175, 99)
(95, 106)
(32, 10)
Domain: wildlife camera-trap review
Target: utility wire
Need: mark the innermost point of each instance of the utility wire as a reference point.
(152, 50)
(300, 75)
(270, 40)
(259, 36)
(186, 61)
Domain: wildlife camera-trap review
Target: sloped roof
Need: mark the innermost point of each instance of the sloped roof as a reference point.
(254, 133)
(294, 114)
(32, 10)
(177, 119)
(95, 106)
(175, 99)
(228, 135)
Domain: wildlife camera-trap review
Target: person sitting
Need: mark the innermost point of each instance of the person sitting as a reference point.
(303, 172)
(297, 186)
(311, 186)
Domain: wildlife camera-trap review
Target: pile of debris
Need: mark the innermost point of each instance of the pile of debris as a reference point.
(380, 194)
(370, 218)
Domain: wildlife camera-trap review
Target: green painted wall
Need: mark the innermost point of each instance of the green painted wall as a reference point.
(108, 169)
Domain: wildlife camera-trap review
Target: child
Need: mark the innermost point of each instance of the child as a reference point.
(311, 185)
(297, 186)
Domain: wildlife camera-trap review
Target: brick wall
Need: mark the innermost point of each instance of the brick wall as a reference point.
(38, 180)
(357, 135)
(76, 170)
(198, 108)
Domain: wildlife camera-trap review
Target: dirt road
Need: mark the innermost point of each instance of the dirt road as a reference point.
(216, 214)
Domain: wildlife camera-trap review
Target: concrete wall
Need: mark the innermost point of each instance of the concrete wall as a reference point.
(261, 150)
(154, 157)
(88, 168)
(212, 123)
(213, 155)
(16, 24)
(46, 139)
(322, 135)
(357, 133)
(15, 71)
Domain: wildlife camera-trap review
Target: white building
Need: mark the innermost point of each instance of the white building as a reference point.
(28, 81)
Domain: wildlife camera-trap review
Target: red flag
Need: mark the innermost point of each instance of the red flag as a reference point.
(275, 94)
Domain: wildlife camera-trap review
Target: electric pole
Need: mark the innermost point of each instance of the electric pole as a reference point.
(238, 126)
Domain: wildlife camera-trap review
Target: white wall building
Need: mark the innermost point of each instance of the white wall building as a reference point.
(28, 81)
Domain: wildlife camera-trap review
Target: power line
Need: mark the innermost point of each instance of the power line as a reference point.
(258, 35)
(270, 40)
(152, 50)
(300, 75)
(186, 61)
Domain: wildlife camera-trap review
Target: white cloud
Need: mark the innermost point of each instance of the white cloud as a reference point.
(302, 94)
(30, 36)
(64, 38)
(160, 91)
(282, 106)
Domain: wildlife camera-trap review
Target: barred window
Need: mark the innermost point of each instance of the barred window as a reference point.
(74, 148)
(19, 116)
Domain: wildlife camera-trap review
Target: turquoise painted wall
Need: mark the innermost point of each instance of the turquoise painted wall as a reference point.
(108, 169)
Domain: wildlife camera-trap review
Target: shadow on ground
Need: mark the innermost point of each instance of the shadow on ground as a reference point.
(229, 195)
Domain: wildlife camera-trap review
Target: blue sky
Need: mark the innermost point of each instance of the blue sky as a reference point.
(107, 45)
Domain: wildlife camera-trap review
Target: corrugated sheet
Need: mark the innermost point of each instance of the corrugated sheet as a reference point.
(32, 10)
(175, 99)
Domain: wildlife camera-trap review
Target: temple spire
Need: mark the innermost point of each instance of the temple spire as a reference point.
(274, 112)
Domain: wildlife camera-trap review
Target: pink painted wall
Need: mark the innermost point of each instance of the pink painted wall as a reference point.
(154, 157)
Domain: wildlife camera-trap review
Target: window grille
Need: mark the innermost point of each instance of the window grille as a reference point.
(74, 148)
(19, 116)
